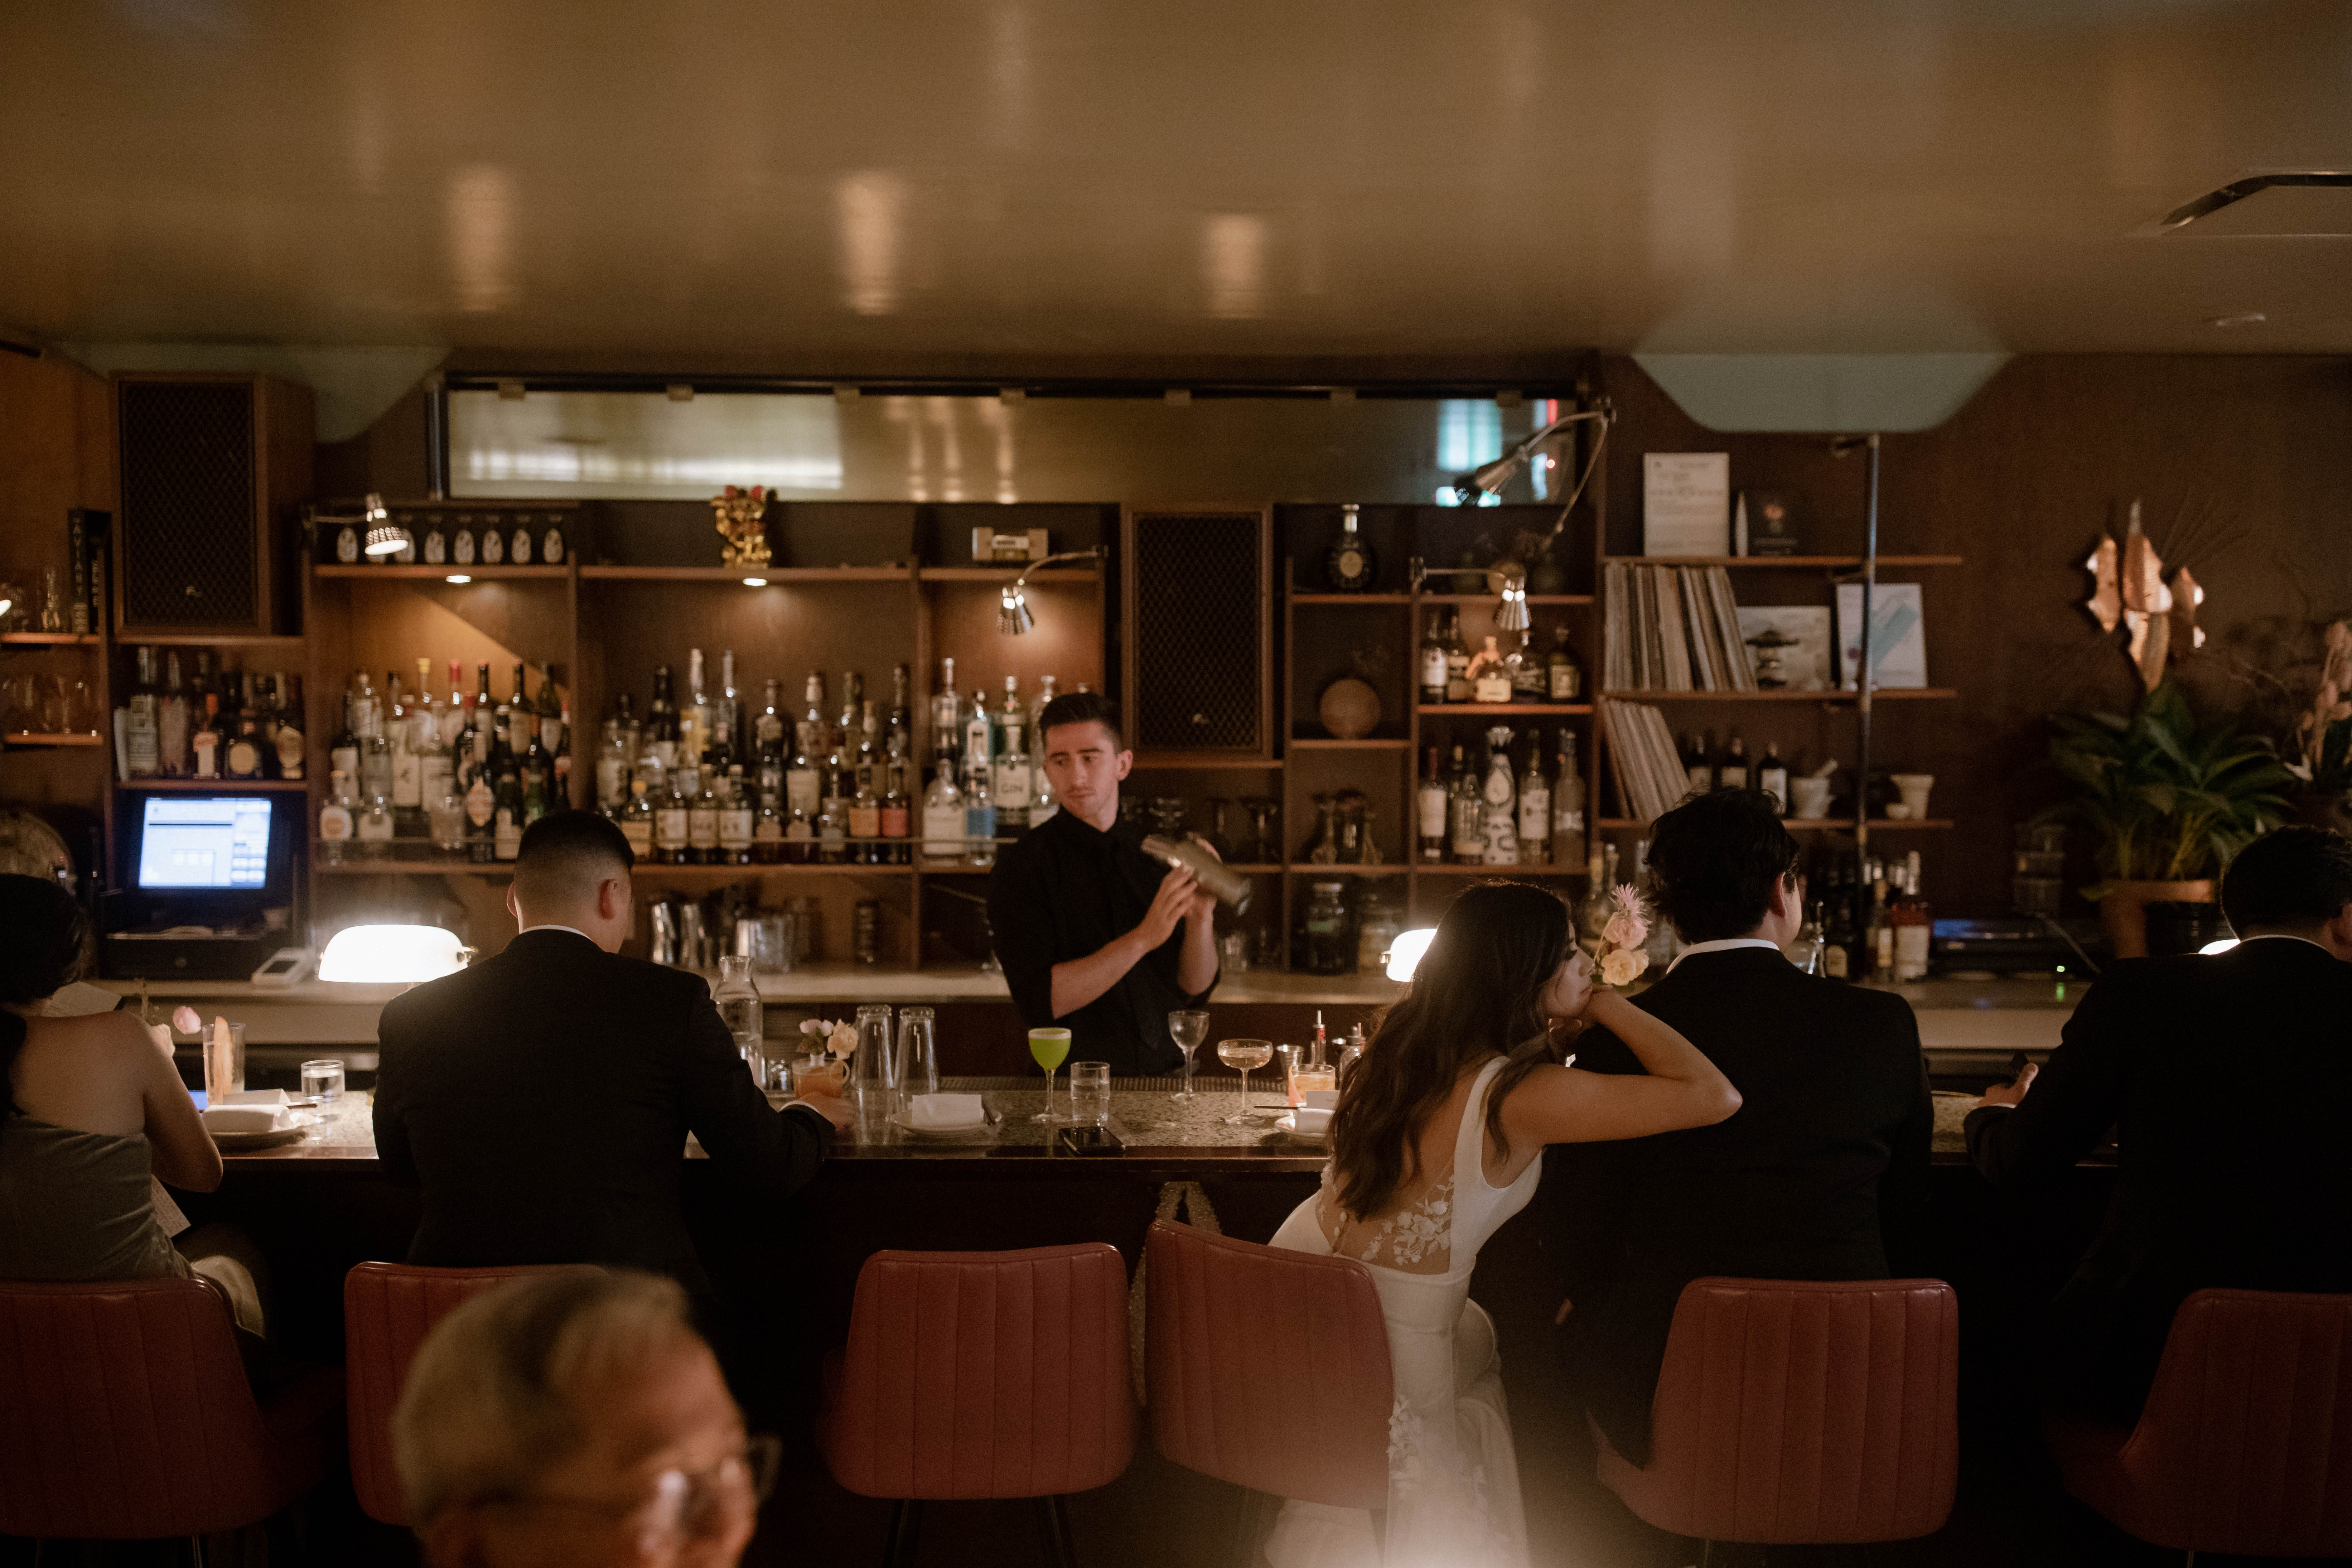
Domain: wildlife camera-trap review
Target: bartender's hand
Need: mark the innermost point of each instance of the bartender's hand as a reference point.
(1179, 896)
(2010, 1093)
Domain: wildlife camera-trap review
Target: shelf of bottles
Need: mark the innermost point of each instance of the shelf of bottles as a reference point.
(198, 725)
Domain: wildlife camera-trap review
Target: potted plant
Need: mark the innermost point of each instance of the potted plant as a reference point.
(2168, 801)
(2323, 739)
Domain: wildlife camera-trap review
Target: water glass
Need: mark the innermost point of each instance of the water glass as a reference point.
(322, 1080)
(873, 1074)
(918, 1052)
(1187, 1029)
(1090, 1093)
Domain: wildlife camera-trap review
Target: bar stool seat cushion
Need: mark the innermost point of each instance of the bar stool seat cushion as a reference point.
(1802, 1413)
(2246, 1443)
(128, 1415)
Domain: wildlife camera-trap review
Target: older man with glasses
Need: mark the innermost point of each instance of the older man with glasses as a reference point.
(576, 1418)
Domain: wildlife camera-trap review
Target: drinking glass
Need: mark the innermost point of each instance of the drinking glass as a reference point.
(323, 1081)
(1243, 1055)
(918, 1051)
(1049, 1048)
(1090, 1093)
(1188, 1030)
(224, 1065)
(875, 1073)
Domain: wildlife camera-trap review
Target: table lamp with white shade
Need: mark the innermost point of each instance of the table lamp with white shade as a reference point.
(391, 955)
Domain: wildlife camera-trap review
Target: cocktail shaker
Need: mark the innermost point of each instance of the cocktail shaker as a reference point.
(1227, 885)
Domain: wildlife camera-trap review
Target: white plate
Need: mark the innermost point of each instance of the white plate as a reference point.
(905, 1122)
(1285, 1125)
(298, 1124)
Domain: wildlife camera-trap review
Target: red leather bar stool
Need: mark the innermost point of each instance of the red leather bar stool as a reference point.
(1267, 1368)
(388, 1308)
(983, 1375)
(2246, 1443)
(1802, 1413)
(128, 1416)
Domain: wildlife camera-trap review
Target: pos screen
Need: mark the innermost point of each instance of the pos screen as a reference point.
(219, 842)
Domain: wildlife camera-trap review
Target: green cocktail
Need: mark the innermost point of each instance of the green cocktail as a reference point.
(1049, 1048)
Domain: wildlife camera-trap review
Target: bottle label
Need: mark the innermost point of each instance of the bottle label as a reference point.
(1500, 841)
(1431, 812)
(609, 787)
(1834, 962)
(702, 827)
(509, 836)
(1433, 669)
(894, 822)
(669, 827)
(1567, 682)
(407, 780)
(1911, 952)
(494, 547)
(801, 791)
(206, 746)
(376, 825)
(479, 802)
(942, 827)
(768, 830)
(244, 758)
(1535, 814)
(865, 822)
(334, 822)
(735, 827)
(639, 833)
(1011, 786)
(1701, 779)
(1735, 776)
(289, 752)
(980, 822)
(1493, 685)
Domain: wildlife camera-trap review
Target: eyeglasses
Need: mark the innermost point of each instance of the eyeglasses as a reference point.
(685, 1505)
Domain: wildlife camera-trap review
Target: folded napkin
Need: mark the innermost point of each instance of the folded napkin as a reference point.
(250, 1097)
(1321, 1099)
(947, 1109)
(1310, 1121)
(242, 1118)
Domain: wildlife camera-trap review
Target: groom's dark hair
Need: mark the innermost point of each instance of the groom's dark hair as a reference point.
(1714, 859)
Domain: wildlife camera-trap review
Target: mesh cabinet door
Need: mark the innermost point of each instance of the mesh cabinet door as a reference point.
(1199, 632)
(210, 465)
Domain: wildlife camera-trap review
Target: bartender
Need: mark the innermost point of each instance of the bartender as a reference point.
(1095, 935)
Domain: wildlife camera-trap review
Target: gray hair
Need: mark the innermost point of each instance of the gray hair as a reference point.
(490, 1400)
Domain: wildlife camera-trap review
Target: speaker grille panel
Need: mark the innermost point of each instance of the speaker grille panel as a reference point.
(1197, 631)
(189, 555)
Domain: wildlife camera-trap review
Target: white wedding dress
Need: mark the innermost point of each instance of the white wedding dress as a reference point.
(1454, 1480)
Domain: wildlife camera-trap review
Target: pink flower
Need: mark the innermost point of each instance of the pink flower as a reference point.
(1623, 966)
(185, 1019)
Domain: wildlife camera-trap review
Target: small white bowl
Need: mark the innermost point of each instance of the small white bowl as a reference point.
(1312, 1121)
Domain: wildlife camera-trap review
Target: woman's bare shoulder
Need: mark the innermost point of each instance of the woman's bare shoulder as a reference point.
(102, 1036)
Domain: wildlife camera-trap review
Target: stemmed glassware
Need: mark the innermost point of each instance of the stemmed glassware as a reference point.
(1049, 1048)
(1188, 1030)
(1243, 1055)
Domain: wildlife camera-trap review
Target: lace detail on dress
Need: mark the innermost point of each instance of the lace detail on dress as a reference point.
(1417, 1238)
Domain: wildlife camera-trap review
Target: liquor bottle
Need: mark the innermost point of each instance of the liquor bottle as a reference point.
(980, 820)
(1490, 682)
(1568, 835)
(1563, 676)
(866, 814)
(1535, 811)
(481, 788)
(290, 727)
(611, 765)
(946, 716)
(538, 773)
(1530, 682)
(1429, 809)
(637, 822)
(900, 720)
(505, 835)
(1913, 926)
(335, 825)
(727, 718)
(342, 750)
(374, 826)
(833, 814)
(1434, 649)
(407, 762)
(702, 817)
(141, 744)
(1462, 809)
(1696, 765)
(428, 741)
(242, 758)
(1734, 772)
(894, 812)
(1498, 827)
(201, 685)
(768, 748)
(204, 744)
(736, 817)
(1349, 565)
(669, 820)
(1042, 802)
(943, 819)
(522, 716)
(376, 747)
(1012, 776)
(1879, 943)
(853, 713)
(1457, 659)
(172, 758)
(268, 698)
(802, 788)
(660, 741)
(768, 832)
(978, 756)
(1037, 706)
(519, 545)
(693, 713)
(554, 721)
(461, 543)
(1772, 775)
(1811, 939)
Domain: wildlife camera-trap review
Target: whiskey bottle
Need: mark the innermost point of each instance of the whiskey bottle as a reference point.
(1490, 681)
(1772, 775)
(140, 745)
(669, 822)
(735, 820)
(802, 788)
(1568, 835)
(335, 825)
(1349, 566)
(505, 831)
(1429, 809)
(637, 822)
(1462, 810)
(1457, 661)
(1734, 773)
(1563, 676)
(1434, 649)
(1696, 765)
(768, 832)
(172, 755)
(1914, 927)
(1535, 810)
(702, 819)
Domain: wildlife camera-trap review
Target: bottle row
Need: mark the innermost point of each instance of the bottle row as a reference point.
(1890, 940)
(492, 539)
(1503, 813)
(1450, 670)
(225, 724)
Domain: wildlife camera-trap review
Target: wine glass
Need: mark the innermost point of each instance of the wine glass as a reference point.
(1049, 1048)
(1188, 1030)
(1243, 1055)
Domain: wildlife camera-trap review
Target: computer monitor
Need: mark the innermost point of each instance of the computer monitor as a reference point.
(191, 844)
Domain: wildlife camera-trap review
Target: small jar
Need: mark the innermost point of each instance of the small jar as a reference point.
(1326, 930)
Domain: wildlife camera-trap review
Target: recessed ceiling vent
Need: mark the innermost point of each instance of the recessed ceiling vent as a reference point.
(2285, 204)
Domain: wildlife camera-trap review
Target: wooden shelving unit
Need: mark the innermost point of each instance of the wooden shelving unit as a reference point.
(213, 786)
(34, 738)
(1845, 698)
(51, 639)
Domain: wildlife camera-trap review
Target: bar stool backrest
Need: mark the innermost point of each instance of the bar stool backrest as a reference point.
(2246, 1443)
(1803, 1412)
(984, 1374)
(125, 1414)
(1267, 1368)
(388, 1308)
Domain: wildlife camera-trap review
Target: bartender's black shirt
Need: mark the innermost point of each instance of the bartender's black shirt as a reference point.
(1064, 890)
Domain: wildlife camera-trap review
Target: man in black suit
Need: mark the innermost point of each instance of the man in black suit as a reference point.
(2226, 1080)
(542, 1098)
(1822, 1174)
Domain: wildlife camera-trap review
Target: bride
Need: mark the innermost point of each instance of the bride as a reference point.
(1437, 1141)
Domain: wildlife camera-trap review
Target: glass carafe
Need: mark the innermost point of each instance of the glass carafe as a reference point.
(918, 1052)
(741, 1009)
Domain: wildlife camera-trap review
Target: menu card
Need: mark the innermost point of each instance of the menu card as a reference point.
(1685, 503)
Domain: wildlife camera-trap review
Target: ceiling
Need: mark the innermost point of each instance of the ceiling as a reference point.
(985, 186)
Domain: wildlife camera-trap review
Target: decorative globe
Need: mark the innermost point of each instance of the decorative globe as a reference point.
(1351, 708)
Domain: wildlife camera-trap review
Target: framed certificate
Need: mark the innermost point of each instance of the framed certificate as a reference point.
(1685, 503)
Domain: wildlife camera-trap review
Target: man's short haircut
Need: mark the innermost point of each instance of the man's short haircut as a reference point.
(1082, 708)
(1714, 859)
(493, 1398)
(2295, 877)
(565, 853)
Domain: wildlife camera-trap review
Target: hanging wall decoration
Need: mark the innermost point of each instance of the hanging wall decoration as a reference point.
(2129, 590)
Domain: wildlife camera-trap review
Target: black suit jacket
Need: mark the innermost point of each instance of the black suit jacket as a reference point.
(1820, 1174)
(541, 1099)
(2226, 1080)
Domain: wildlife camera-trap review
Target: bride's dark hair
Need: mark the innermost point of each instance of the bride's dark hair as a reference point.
(1479, 989)
(42, 935)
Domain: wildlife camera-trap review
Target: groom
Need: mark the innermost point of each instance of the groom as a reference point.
(1822, 1174)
